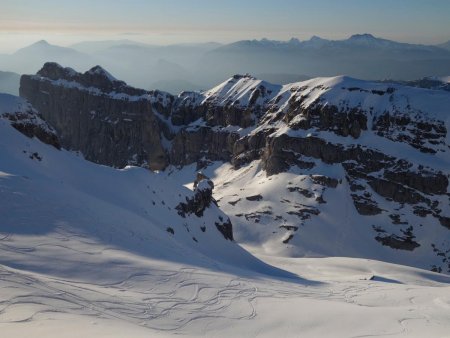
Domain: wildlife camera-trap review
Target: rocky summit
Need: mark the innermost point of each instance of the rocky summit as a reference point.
(361, 168)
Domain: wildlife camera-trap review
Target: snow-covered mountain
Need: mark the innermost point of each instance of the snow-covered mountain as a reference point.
(325, 167)
(90, 250)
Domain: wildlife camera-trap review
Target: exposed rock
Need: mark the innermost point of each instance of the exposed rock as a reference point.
(200, 177)
(428, 183)
(396, 219)
(326, 117)
(234, 202)
(445, 221)
(304, 192)
(365, 206)
(287, 240)
(304, 213)
(30, 124)
(422, 211)
(254, 198)
(395, 191)
(107, 129)
(289, 227)
(200, 201)
(396, 242)
(226, 229)
(324, 180)
(420, 134)
(190, 146)
(404, 242)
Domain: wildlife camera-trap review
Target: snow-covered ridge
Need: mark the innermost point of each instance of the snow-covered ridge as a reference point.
(417, 116)
(242, 91)
(341, 91)
(346, 92)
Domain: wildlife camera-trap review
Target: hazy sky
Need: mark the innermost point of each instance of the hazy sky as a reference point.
(172, 21)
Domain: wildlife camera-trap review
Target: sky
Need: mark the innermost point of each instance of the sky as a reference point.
(65, 22)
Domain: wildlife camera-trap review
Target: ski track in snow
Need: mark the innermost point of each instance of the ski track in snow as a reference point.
(171, 300)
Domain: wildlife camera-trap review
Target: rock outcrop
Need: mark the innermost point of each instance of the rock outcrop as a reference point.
(202, 199)
(24, 118)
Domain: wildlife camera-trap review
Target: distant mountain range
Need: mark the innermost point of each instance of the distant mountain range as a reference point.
(195, 66)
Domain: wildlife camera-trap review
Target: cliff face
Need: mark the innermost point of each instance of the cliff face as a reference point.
(98, 115)
(388, 143)
(114, 124)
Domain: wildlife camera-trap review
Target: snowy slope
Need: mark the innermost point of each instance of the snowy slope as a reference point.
(118, 207)
(242, 91)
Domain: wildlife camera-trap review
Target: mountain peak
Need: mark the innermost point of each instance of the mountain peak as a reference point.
(41, 43)
(316, 41)
(55, 71)
(316, 38)
(361, 37)
(294, 41)
(98, 70)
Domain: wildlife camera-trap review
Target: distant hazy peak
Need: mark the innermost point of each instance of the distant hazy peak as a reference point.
(41, 43)
(365, 36)
(317, 38)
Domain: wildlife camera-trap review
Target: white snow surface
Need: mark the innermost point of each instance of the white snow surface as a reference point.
(13, 104)
(239, 90)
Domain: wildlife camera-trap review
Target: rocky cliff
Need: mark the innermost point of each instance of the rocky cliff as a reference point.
(384, 147)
